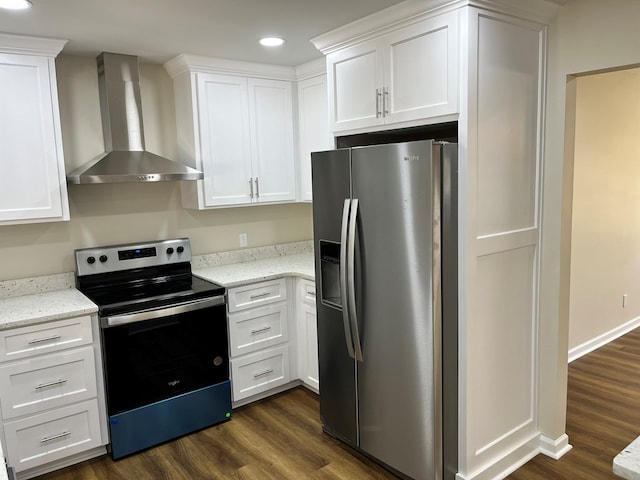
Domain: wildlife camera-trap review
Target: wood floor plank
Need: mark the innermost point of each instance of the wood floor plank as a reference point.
(281, 437)
(603, 414)
(277, 438)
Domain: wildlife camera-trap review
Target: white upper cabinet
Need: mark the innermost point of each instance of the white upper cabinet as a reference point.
(271, 127)
(237, 129)
(407, 75)
(313, 124)
(32, 176)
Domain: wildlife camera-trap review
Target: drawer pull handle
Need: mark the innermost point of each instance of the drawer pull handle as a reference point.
(54, 437)
(260, 330)
(46, 339)
(262, 374)
(260, 295)
(312, 293)
(60, 381)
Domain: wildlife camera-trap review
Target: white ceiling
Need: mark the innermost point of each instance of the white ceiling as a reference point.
(157, 30)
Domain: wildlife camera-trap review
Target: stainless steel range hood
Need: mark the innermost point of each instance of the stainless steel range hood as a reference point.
(125, 159)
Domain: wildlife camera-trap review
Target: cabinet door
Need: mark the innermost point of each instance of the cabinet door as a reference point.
(315, 134)
(355, 81)
(308, 346)
(224, 125)
(271, 119)
(421, 70)
(32, 177)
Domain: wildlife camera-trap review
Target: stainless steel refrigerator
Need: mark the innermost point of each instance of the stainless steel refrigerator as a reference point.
(385, 240)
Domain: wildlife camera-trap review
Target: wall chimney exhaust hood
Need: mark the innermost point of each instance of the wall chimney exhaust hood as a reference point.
(125, 159)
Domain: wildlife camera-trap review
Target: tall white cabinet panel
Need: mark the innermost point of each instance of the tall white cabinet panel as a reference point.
(271, 129)
(406, 75)
(224, 133)
(313, 121)
(507, 61)
(32, 176)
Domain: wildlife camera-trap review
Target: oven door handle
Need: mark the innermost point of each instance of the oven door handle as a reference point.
(176, 309)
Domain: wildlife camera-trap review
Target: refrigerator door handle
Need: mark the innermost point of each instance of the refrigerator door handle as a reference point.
(351, 272)
(343, 276)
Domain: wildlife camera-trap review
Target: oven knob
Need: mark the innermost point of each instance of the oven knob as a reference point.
(180, 249)
(91, 260)
(169, 250)
(103, 258)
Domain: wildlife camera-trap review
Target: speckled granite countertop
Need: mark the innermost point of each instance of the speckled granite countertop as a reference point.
(52, 297)
(236, 274)
(627, 462)
(43, 307)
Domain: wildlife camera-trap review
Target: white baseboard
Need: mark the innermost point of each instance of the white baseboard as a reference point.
(506, 465)
(555, 448)
(603, 339)
(519, 456)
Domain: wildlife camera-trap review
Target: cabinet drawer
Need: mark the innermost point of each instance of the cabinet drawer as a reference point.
(308, 292)
(257, 294)
(259, 372)
(52, 435)
(49, 381)
(257, 328)
(44, 337)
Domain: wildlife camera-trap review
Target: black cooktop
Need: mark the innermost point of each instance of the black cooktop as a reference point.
(149, 293)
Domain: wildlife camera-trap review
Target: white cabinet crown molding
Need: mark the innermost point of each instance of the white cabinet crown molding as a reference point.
(200, 64)
(311, 69)
(412, 11)
(28, 45)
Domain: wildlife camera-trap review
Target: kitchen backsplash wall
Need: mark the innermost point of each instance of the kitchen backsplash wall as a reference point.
(120, 213)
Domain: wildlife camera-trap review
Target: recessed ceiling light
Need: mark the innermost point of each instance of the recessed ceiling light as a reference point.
(271, 41)
(15, 4)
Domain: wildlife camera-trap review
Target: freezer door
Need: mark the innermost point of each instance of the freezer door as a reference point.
(397, 387)
(331, 187)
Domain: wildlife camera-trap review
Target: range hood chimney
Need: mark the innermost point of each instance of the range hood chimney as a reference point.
(125, 159)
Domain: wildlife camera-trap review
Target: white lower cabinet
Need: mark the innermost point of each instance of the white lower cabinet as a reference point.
(259, 356)
(51, 394)
(52, 435)
(307, 334)
(259, 372)
(273, 341)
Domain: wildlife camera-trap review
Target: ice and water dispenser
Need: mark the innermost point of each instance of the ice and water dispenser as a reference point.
(330, 274)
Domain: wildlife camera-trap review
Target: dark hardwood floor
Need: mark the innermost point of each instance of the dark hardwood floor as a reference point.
(603, 414)
(281, 437)
(276, 438)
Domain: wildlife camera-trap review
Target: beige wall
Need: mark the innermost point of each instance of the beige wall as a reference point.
(105, 214)
(587, 35)
(605, 239)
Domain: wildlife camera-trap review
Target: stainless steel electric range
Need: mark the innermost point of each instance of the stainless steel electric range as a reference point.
(164, 341)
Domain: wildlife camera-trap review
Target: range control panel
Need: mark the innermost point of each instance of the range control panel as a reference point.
(114, 258)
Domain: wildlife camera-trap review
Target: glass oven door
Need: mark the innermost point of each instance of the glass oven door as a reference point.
(158, 354)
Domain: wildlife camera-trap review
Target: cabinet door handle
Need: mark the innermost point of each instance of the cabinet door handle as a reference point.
(251, 186)
(312, 293)
(259, 295)
(54, 437)
(378, 98)
(60, 381)
(260, 330)
(262, 374)
(46, 339)
(385, 102)
(257, 188)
